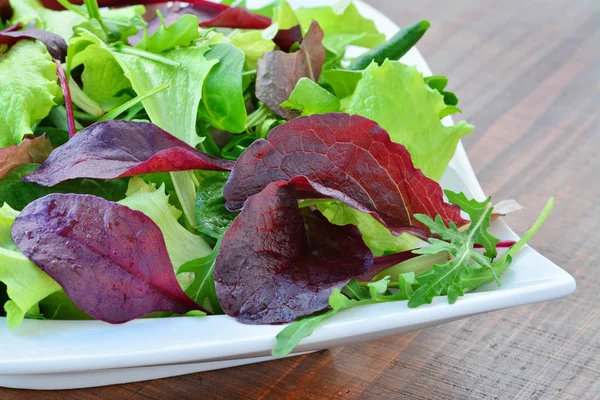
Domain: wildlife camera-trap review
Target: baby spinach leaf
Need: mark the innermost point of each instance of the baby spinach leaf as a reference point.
(212, 217)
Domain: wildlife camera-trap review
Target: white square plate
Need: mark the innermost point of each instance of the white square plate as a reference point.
(75, 354)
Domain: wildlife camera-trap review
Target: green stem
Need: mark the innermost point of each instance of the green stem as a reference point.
(82, 116)
(257, 116)
(71, 7)
(83, 101)
(133, 102)
(145, 54)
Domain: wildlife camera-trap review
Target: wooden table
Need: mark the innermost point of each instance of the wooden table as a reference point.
(527, 74)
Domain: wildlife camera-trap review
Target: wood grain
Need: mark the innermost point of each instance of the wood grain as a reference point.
(528, 76)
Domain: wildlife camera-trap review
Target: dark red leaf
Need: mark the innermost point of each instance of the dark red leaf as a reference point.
(110, 260)
(56, 45)
(278, 72)
(116, 149)
(238, 18)
(223, 15)
(347, 158)
(277, 263)
(29, 151)
(285, 38)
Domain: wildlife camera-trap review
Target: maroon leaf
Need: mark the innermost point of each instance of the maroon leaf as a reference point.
(347, 158)
(279, 72)
(64, 86)
(285, 38)
(276, 263)
(56, 45)
(29, 151)
(116, 149)
(238, 18)
(110, 260)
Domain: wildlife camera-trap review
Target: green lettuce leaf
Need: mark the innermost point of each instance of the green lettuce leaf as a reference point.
(127, 20)
(342, 81)
(212, 217)
(343, 25)
(222, 104)
(181, 33)
(27, 89)
(26, 284)
(397, 98)
(104, 80)
(253, 44)
(310, 98)
(376, 236)
(182, 245)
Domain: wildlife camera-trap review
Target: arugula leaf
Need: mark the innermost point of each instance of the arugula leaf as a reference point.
(222, 104)
(26, 283)
(376, 292)
(310, 98)
(202, 289)
(212, 217)
(397, 98)
(181, 33)
(446, 278)
(29, 86)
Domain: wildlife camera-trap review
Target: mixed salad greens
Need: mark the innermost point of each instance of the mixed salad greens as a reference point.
(212, 159)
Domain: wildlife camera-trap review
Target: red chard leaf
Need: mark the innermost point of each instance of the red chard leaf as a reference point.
(277, 263)
(110, 260)
(278, 72)
(29, 151)
(285, 38)
(347, 158)
(56, 45)
(117, 149)
(237, 18)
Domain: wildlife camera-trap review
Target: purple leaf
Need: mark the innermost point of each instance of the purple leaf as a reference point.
(279, 72)
(117, 149)
(277, 263)
(347, 158)
(285, 38)
(110, 260)
(56, 45)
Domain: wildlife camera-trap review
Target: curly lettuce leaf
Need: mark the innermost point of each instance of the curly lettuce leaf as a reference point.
(26, 284)
(376, 236)
(343, 26)
(27, 89)
(397, 98)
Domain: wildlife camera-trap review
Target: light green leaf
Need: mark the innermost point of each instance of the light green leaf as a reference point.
(26, 283)
(342, 81)
(253, 44)
(222, 104)
(181, 33)
(27, 89)
(396, 97)
(343, 25)
(379, 239)
(174, 109)
(104, 80)
(310, 98)
(182, 245)
(63, 22)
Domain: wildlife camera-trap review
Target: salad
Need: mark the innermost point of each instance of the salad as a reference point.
(199, 159)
